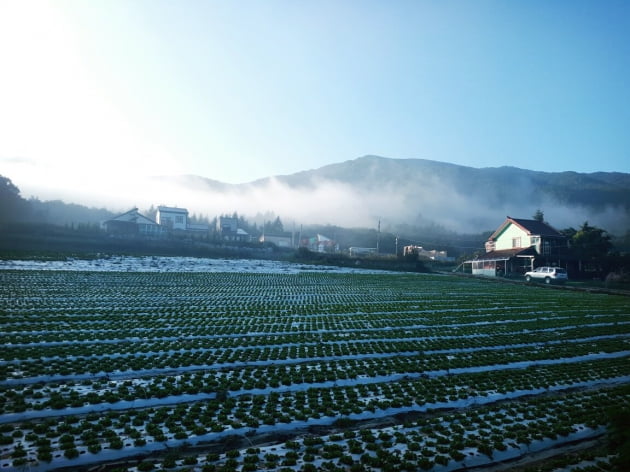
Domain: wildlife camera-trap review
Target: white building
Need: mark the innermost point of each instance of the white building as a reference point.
(432, 254)
(362, 251)
(284, 240)
(172, 218)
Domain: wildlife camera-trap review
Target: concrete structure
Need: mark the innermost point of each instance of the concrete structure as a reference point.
(362, 251)
(432, 254)
(284, 240)
(172, 218)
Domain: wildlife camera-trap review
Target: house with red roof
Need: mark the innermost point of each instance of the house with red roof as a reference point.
(519, 245)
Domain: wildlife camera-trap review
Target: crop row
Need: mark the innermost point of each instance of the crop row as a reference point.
(431, 338)
(301, 343)
(44, 325)
(484, 431)
(352, 397)
(201, 359)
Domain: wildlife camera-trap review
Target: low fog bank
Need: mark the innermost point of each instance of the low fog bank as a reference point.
(360, 193)
(345, 205)
(423, 203)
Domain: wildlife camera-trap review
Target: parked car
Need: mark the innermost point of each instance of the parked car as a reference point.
(547, 274)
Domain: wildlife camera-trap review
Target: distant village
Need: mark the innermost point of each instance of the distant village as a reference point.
(175, 221)
(517, 246)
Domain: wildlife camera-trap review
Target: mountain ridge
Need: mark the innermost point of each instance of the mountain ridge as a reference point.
(331, 171)
(446, 169)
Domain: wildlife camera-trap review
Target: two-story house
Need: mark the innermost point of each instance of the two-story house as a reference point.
(519, 245)
(172, 218)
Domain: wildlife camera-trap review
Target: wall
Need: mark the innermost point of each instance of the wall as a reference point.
(512, 231)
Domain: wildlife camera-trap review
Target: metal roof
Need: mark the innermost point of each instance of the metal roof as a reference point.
(172, 209)
(133, 216)
(505, 254)
(531, 227)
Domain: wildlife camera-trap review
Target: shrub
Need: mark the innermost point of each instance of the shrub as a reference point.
(20, 462)
(346, 460)
(71, 453)
(44, 456)
(190, 460)
(116, 443)
(18, 452)
(170, 461)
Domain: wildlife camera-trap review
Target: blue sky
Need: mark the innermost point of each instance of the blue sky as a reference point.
(240, 90)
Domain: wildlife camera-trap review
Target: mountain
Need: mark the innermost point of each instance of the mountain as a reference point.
(493, 184)
(421, 192)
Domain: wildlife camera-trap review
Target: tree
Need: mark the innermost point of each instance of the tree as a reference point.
(590, 242)
(151, 213)
(275, 227)
(12, 206)
(539, 215)
(568, 232)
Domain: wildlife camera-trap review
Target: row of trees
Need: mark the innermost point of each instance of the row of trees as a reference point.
(592, 252)
(15, 209)
(587, 242)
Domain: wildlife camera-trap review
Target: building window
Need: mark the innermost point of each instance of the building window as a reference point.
(516, 242)
(179, 219)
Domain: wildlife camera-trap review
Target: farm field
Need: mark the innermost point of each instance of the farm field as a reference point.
(155, 366)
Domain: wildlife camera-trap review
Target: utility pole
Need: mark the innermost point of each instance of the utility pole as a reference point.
(300, 237)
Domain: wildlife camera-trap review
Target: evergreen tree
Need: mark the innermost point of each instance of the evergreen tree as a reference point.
(13, 208)
(276, 227)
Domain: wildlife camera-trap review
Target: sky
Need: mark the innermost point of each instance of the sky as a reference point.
(99, 94)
